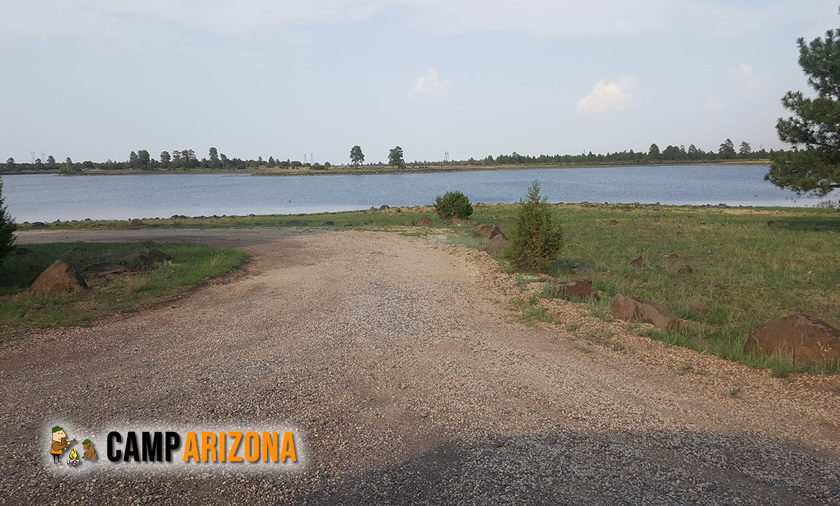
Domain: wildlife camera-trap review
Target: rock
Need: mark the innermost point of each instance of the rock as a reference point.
(497, 245)
(700, 308)
(58, 278)
(685, 269)
(671, 255)
(153, 257)
(411, 223)
(424, 222)
(107, 271)
(805, 339)
(542, 278)
(633, 308)
(137, 223)
(488, 231)
(21, 252)
(581, 288)
(637, 262)
(458, 222)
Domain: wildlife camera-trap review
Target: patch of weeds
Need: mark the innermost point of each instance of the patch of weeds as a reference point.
(572, 327)
(583, 349)
(735, 391)
(530, 311)
(469, 241)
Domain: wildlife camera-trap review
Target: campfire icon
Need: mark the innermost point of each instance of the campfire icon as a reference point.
(74, 458)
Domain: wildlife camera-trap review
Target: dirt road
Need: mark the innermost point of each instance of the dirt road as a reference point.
(410, 380)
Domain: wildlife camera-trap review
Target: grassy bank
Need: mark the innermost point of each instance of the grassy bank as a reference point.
(749, 265)
(19, 309)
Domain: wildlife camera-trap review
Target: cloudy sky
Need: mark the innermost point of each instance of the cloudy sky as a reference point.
(96, 79)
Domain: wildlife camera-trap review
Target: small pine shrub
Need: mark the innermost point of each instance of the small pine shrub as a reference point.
(537, 235)
(453, 205)
(7, 228)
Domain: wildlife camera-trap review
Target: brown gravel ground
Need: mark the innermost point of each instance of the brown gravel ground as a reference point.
(410, 381)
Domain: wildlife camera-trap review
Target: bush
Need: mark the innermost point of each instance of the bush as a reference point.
(453, 205)
(7, 228)
(537, 236)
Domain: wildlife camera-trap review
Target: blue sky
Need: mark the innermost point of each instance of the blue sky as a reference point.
(96, 79)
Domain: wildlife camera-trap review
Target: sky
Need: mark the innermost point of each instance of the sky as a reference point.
(97, 79)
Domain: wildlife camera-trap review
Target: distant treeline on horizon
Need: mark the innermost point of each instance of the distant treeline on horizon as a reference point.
(187, 160)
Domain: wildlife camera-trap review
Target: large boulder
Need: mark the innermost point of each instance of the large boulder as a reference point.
(634, 308)
(806, 340)
(497, 245)
(488, 231)
(580, 288)
(106, 271)
(58, 278)
(153, 257)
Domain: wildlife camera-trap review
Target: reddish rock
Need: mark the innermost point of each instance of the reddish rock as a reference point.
(805, 339)
(685, 269)
(637, 262)
(581, 288)
(58, 278)
(497, 245)
(424, 222)
(488, 231)
(634, 308)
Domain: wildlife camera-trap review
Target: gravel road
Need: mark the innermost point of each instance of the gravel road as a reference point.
(410, 380)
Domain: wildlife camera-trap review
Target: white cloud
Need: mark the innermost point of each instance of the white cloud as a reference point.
(745, 78)
(714, 104)
(431, 85)
(608, 97)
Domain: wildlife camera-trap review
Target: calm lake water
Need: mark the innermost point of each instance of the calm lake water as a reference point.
(52, 197)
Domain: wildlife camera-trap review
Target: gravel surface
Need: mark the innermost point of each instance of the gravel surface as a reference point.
(410, 380)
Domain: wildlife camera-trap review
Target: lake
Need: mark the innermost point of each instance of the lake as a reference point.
(52, 197)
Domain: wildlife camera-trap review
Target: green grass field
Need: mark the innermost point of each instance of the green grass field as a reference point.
(20, 309)
(750, 266)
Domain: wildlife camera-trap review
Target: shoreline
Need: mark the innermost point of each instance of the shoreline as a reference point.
(345, 170)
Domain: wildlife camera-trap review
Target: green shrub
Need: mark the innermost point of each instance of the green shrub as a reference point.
(537, 236)
(453, 205)
(7, 228)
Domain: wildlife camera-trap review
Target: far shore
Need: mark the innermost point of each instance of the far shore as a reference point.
(385, 169)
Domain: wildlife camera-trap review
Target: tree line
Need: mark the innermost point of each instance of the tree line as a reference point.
(186, 159)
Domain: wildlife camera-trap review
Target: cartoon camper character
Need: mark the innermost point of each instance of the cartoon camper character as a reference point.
(90, 452)
(58, 443)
